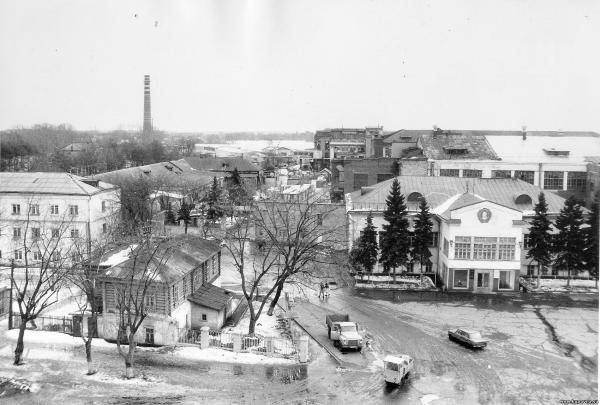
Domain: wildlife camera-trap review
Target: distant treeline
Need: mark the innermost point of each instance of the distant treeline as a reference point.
(41, 147)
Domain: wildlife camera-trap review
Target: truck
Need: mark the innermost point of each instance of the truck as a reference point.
(343, 332)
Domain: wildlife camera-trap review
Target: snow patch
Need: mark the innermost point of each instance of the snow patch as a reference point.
(225, 356)
(428, 398)
(57, 338)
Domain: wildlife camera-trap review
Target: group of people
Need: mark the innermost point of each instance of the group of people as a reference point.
(324, 290)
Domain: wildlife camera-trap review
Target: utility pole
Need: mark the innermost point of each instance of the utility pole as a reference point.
(10, 302)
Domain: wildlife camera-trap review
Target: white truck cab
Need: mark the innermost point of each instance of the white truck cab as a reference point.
(346, 335)
(395, 368)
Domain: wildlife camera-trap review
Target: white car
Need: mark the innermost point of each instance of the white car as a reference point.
(396, 368)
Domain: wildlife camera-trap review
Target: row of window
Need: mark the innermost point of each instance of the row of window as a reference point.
(34, 209)
(462, 277)
(482, 248)
(36, 255)
(55, 232)
(552, 180)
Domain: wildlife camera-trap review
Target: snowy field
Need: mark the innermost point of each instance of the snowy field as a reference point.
(554, 285)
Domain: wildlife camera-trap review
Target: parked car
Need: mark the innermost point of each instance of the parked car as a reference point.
(396, 368)
(468, 337)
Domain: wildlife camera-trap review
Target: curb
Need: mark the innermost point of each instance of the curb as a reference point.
(337, 360)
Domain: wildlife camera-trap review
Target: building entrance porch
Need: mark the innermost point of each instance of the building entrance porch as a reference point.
(483, 281)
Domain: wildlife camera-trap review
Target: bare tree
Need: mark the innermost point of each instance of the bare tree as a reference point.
(42, 255)
(289, 239)
(147, 256)
(86, 267)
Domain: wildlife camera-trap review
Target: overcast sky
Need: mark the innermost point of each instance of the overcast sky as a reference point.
(295, 65)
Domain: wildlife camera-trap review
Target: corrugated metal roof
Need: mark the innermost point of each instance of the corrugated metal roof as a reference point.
(211, 296)
(221, 164)
(172, 173)
(49, 183)
(187, 254)
(438, 190)
(439, 147)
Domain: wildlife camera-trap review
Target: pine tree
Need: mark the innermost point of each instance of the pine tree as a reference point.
(540, 240)
(184, 214)
(422, 234)
(236, 189)
(213, 200)
(591, 239)
(570, 239)
(170, 216)
(368, 245)
(394, 240)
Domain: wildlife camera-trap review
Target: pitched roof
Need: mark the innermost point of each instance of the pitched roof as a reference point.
(413, 134)
(443, 192)
(442, 146)
(171, 173)
(49, 183)
(221, 164)
(188, 254)
(211, 296)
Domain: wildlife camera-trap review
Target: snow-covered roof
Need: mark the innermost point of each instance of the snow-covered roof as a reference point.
(118, 257)
(400, 358)
(541, 148)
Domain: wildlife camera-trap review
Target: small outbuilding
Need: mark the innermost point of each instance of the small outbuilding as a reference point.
(210, 306)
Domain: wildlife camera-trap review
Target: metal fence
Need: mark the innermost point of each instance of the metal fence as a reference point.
(48, 323)
(269, 346)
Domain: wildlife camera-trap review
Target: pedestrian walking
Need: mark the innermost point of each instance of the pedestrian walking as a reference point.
(321, 290)
(326, 290)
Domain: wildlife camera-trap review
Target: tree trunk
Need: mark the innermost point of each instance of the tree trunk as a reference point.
(539, 277)
(185, 224)
(129, 358)
(88, 356)
(275, 299)
(20, 345)
(568, 276)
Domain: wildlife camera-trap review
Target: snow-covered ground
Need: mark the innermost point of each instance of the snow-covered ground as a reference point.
(554, 285)
(226, 356)
(265, 326)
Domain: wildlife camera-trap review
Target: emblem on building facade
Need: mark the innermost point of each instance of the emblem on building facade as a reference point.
(484, 215)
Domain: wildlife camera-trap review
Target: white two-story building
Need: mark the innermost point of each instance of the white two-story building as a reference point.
(480, 226)
(38, 209)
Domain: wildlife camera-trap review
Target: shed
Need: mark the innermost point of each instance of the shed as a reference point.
(210, 306)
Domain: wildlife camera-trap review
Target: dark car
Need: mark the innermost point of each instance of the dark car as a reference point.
(468, 337)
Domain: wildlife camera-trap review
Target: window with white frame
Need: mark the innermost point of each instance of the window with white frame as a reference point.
(505, 281)
(204, 317)
(74, 233)
(73, 210)
(16, 209)
(433, 242)
(175, 294)
(449, 172)
(472, 173)
(149, 301)
(525, 175)
(18, 255)
(34, 209)
(462, 247)
(501, 174)
(16, 233)
(54, 209)
(35, 233)
(576, 181)
(526, 241)
(484, 248)
(461, 279)
(55, 233)
(506, 248)
(553, 180)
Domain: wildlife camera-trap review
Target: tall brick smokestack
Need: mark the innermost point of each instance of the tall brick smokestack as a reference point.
(147, 105)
